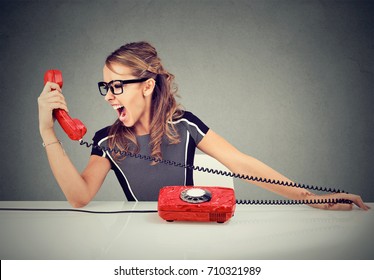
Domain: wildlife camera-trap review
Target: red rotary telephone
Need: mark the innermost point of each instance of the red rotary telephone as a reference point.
(74, 128)
(200, 204)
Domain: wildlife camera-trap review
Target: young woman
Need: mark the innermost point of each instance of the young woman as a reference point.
(150, 122)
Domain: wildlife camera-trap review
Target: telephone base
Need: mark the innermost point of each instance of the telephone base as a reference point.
(199, 204)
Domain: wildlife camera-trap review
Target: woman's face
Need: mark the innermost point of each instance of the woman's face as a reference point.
(133, 106)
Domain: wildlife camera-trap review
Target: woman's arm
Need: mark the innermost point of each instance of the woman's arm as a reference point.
(79, 189)
(240, 163)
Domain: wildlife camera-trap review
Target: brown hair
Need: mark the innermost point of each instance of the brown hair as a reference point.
(144, 62)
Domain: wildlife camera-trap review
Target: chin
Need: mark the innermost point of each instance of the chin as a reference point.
(126, 124)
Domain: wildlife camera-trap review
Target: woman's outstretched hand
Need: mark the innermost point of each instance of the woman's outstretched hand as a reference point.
(356, 199)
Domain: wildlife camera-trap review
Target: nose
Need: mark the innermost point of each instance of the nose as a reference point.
(109, 95)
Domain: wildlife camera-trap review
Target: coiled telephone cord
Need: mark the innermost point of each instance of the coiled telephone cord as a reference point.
(234, 175)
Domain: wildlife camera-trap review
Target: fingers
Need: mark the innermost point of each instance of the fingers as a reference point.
(356, 200)
(55, 100)
(50, 86)
(52, 102)
(52, 98)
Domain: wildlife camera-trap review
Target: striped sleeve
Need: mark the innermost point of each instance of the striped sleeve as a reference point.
(194, 125)
(98, 138)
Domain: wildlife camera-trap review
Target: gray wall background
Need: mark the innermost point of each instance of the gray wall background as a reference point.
(288, 82)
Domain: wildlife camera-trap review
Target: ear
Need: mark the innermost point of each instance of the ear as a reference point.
(149, 86)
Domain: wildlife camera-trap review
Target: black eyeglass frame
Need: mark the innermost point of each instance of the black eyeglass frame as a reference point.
(108, 86)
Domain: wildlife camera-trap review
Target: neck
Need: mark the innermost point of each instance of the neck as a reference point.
(141, 130)
(143, 126)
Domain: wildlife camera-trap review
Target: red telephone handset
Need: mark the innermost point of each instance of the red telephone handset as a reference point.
(74, 128)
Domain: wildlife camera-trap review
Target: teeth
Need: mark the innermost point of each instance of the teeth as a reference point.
(116, 107)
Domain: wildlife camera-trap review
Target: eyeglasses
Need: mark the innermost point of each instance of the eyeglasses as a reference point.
(116, 86)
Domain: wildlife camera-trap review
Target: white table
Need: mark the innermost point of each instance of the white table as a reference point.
(255, 232)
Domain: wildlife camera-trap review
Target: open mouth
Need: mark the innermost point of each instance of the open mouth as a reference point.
(121, 110)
